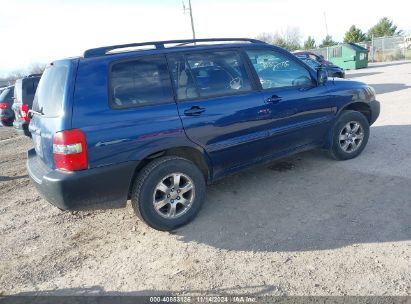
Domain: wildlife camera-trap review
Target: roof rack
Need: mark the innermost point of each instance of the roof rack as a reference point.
(161, 45)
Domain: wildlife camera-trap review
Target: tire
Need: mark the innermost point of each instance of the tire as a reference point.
(156, 182)
(349, 144)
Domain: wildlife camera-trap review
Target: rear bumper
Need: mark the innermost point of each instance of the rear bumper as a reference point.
(6, 116)
(375, 110)
(98, 188)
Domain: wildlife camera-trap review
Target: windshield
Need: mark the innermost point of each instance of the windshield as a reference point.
(312, 63)
(50, 92)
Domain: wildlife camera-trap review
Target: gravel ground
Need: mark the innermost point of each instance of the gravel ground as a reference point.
(306, 225)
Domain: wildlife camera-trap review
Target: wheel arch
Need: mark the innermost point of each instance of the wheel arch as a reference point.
(195, 154)
(362, 107)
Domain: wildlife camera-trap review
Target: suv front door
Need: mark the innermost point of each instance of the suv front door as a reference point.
(299, 109)
(220, 108)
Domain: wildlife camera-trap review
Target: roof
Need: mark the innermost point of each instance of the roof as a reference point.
(355, 47)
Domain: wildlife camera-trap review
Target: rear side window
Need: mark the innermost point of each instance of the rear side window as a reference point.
(183, 80)
(140, 82)
(50, 92)
(219, 73)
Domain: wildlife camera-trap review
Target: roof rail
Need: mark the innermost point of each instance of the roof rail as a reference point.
(160, 45)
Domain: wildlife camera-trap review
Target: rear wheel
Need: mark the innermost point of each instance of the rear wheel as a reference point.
(350, 135)
(168, 192)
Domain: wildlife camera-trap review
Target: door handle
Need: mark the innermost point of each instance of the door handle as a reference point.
(273, 99)
(194, 111)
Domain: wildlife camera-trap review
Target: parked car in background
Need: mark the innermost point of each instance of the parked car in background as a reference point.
(332, 70)
(156, 125)
(24, 91)
(318, 58)
(6, 103)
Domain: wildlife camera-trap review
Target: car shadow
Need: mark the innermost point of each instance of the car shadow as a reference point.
(382, 88)
(99, 293)
(11, 178)
(392, 63)
(315, 203)
(356, 75)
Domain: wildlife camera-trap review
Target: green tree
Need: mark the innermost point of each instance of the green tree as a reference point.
(328, 41)
(354, 34)
(384, 27)
(309, 43)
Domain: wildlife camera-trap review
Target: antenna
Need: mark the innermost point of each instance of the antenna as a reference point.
(189, 8)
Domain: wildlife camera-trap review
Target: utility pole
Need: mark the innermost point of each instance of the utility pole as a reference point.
(326, 26)
(191, 16)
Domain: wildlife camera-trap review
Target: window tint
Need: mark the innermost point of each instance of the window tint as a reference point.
(312, 63)
(140, 82)
(218, 73)
(182, 78)
(31, 86)
(50, 93)
(276, 70)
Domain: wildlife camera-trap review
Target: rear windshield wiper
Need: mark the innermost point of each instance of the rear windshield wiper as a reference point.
(32, 112)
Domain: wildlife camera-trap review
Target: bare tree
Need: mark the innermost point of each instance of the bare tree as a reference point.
(36, 68)
(289, 39)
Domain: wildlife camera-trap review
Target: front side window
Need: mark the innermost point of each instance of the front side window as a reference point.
(218, 73)
(140, 82)
(276, 70)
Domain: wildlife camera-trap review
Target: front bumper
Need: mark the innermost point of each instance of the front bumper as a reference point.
(97, 188)
(375, 110)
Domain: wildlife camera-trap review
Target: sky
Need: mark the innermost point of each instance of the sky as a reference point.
(40, 31)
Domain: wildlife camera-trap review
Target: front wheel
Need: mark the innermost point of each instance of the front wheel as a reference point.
(168, 192)
(350, 135)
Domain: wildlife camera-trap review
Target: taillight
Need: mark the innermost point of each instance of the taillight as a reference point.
(4, 105)
(70, 150)
(24, 112)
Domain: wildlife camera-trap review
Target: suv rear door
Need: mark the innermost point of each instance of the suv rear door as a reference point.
(220, 107)
(52, 107)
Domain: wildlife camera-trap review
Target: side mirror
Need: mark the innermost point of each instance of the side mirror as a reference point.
(322, 76)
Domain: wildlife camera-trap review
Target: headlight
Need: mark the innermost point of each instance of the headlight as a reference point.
(370, 93)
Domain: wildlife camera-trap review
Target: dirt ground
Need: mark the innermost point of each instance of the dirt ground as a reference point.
(306, 225)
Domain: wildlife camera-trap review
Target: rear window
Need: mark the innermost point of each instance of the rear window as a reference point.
(141, 82)
(18, 91)
(50, 92)
(7, 94)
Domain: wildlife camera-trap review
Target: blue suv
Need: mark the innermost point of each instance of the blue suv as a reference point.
(155, 122)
